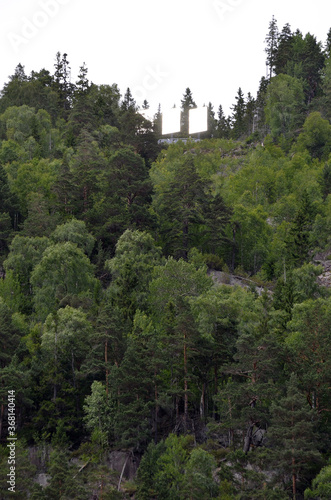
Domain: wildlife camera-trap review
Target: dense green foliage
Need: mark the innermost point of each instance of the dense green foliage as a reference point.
(168, 301)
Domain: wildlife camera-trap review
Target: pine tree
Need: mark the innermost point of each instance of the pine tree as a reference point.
(259, 363)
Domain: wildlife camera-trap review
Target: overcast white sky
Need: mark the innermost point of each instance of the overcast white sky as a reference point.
(155, 47)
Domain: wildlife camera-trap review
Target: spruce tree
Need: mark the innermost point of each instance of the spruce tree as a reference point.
(250, 114)
(328, 44)
(128, 102)
(223, 125)
(299, 241)
(86, 166)
(291, 436)
(174, 285)
(260, 103)
(272, 45)
(82, 84)
(62, 83)
(321, 485)
(238, 116)
(180, 207)
(133, 388)
(187, 103)
(284, 51)
(157, 124)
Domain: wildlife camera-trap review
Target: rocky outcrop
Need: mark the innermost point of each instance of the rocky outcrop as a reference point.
(222, 278)
(324, 259)
(123, 462)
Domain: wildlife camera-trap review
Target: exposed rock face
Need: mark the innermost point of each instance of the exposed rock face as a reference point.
(119, 459)
(323, 259)
(39, 456)
(43, 479)
(221, 278)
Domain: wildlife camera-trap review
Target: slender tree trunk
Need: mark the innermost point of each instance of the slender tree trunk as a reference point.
(1, 418)
(101, 488)
(185, 384)
(106, 363)
(120, 480)
(185, 239)
(177, 409)
(254, 372)
(215, 389)
(248, 439)
(156, 407)
(233, 248)
(230, 430)
(294, 480)
(202, 401)
(73, 369)
(294, 477)
(241, 248)
(85, 198)
(55, 363)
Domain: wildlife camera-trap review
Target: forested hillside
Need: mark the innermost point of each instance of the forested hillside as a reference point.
(165, 310)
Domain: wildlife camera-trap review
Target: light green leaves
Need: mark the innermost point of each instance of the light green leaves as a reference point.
(64, 270)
